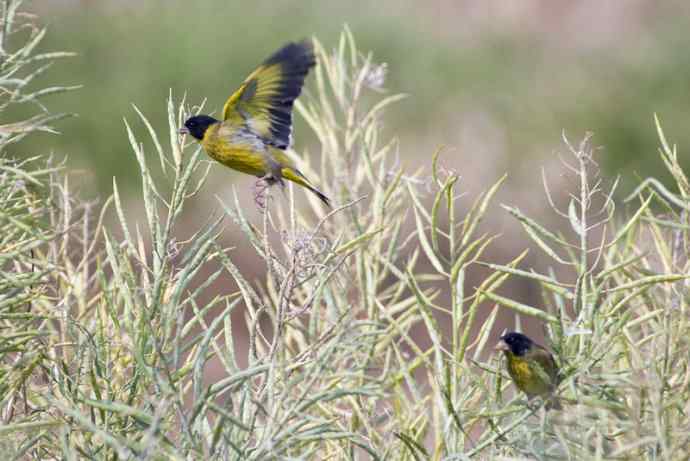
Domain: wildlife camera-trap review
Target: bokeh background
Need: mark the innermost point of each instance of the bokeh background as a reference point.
(495, 82)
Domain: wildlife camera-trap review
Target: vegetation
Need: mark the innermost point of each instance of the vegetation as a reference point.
(364, 337)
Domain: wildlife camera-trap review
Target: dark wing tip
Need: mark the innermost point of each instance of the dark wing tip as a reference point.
(295, 60)
(297, 55)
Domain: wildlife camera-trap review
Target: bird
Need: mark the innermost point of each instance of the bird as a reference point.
(256, 125)
(532, 368)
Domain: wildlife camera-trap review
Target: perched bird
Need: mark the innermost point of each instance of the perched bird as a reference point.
(256, 125)
(532, 367)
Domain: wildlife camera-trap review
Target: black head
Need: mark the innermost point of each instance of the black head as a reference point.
(197, 125)
(517, 343)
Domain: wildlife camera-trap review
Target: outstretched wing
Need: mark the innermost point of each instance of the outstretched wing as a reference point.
(264, 101)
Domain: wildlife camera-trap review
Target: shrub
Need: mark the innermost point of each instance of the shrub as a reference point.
(363, 336)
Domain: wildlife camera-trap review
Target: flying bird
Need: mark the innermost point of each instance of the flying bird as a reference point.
(256, 125)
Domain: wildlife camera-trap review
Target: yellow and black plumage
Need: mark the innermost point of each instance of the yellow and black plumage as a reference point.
(256, 128)
(532, 367)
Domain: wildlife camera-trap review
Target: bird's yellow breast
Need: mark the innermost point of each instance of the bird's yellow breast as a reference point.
(525, 377)
(239, 157)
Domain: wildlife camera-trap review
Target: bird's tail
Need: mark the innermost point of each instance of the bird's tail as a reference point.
(319, 194)
(553, 403)
(296, 176)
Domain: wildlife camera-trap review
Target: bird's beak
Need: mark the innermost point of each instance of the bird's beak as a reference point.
(501, 346)
(183, 130)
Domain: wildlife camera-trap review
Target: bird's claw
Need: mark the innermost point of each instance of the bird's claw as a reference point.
(261, 193)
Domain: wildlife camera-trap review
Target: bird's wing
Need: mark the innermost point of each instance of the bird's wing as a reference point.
(547, 368)
(263, 104)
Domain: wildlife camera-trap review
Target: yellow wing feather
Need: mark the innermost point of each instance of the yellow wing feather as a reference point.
(263, 104)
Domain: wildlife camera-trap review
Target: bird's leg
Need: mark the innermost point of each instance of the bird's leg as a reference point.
(261, 191)
(534, 404)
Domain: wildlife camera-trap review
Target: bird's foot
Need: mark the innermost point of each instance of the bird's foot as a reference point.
(261, 192)
(534, 404)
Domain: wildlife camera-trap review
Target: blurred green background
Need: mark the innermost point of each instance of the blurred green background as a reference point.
(496, 81)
